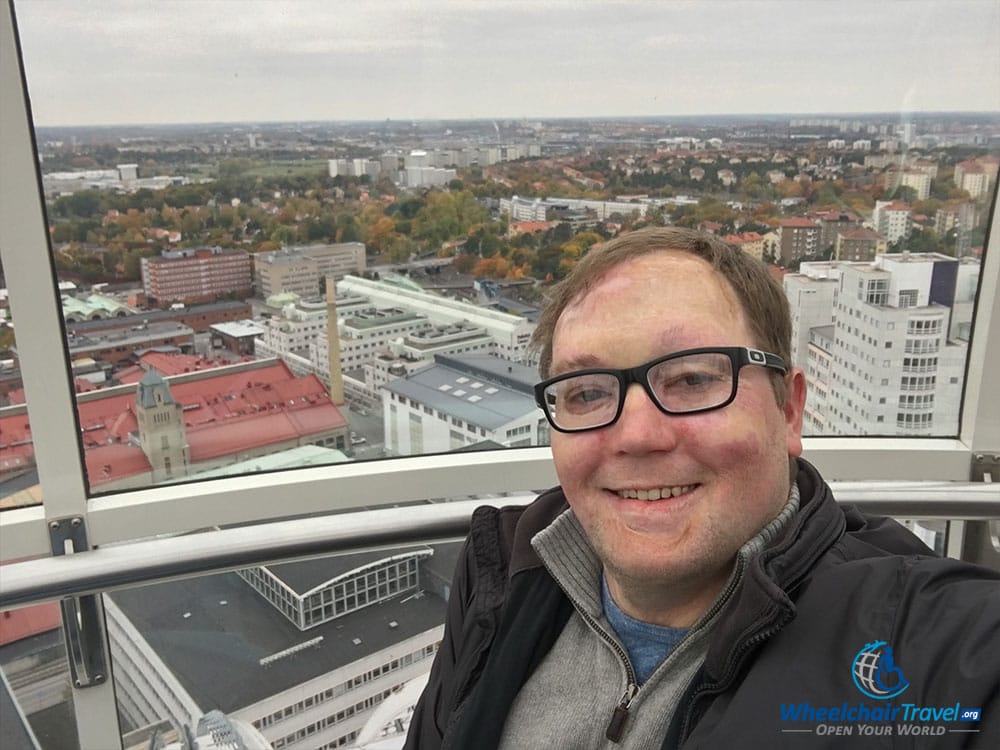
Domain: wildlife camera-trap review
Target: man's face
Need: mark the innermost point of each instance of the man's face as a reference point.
(728, 468)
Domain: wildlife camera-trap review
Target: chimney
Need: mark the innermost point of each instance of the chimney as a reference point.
(333, 343)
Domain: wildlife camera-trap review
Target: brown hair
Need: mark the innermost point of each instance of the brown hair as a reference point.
(759, 294)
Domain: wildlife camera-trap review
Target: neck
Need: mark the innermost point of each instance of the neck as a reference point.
(673, 604)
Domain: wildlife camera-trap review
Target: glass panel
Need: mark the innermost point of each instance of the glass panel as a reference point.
(18, 476)
(201, 255)
(295, 655)
(36, 700)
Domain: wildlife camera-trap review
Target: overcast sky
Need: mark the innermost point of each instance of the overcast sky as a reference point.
(164, 61)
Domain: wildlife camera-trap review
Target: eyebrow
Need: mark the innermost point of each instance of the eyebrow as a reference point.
(672, 337)
(581, 362)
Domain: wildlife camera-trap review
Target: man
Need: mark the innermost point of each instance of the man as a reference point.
(692, 582)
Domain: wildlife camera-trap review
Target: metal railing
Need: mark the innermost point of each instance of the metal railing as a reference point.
(216, 550)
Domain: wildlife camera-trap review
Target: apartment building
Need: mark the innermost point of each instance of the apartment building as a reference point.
(892, 220)
(858, 244)
(749, 242)
(832, 223)
(299, 269)
(889, 358)
(799, 238)
(196, 275)
(975, 176)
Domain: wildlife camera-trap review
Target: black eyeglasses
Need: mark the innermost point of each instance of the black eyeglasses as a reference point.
(687, 382)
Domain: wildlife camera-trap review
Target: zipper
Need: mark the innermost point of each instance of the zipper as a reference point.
(616, 725)
(616, 728)
(738, 654)
(719, 686)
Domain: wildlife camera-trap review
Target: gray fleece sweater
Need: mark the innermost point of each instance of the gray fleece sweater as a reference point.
(571, 699)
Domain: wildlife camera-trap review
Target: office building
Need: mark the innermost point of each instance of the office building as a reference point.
(460, 401)
(196, 275)
(299, 269)
(511, 333)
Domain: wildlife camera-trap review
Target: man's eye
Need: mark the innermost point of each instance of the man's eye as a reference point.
(587, 395)
(695, 379)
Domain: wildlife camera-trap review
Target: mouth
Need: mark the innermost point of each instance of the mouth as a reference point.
(656, 493)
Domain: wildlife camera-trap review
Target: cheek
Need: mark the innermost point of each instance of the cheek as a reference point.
(727, 446)
(573, 456)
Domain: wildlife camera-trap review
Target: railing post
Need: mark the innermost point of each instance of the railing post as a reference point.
(981, 544)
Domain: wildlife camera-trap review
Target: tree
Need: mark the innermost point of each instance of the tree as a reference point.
(495, 267)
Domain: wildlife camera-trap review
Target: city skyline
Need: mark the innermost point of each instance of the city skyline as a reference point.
(134, 63)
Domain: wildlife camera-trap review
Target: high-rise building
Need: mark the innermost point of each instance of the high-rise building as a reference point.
(890, 356)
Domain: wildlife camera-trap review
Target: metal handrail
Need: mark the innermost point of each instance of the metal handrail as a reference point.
(218, 550)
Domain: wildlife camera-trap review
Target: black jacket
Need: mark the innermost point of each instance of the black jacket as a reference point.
(782, 652)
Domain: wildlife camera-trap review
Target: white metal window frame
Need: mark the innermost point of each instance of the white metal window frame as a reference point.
(154, 511)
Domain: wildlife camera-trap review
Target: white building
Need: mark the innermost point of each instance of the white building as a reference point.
(892, 220)
(918, 180)
(461, 401)
(890, 357)
(511, 333)
(427, 176)
(811, 293)
(295, 650)
(539, 209)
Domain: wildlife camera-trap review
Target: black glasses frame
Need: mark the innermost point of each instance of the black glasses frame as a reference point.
(739, 356)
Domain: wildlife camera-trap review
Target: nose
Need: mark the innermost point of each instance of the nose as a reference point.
(642, 427)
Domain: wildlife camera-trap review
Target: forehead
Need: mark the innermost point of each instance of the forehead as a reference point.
(670, 300)
(663, 274)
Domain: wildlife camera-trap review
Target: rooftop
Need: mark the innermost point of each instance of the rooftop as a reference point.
(129, 336)
(212, 632)
(305, 575)
(239, 328)
(484, 391)
(230, 410)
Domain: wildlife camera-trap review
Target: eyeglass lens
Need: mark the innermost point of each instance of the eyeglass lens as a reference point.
(683, 384)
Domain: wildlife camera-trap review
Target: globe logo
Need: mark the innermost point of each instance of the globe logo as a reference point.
(875, 672)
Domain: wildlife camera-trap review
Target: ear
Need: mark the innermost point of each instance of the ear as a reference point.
(795, 404)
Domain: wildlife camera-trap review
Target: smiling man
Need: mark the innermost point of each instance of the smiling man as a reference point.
(692, 581)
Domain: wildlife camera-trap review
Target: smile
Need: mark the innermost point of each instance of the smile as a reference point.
(659, 493)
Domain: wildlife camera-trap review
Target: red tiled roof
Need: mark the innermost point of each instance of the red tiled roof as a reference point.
(739, 239)
(224, 413)
(109, 463)
(16, 624)
(798, 222)
(896, 206)
(81, 385)
(167, 364)
(531, 226)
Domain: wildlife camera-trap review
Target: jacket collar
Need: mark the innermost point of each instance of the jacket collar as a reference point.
(761, 604)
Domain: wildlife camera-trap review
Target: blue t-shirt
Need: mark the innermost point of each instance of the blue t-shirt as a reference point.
(647, 644)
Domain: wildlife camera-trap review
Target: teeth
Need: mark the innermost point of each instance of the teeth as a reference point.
(656, 493)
